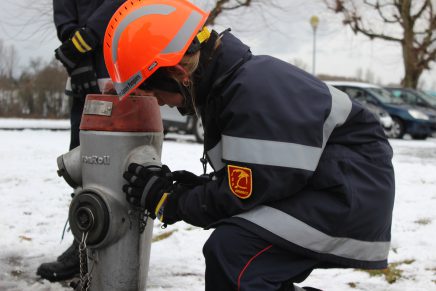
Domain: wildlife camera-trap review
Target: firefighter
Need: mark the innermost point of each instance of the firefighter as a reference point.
(80, 26)
(302, 175)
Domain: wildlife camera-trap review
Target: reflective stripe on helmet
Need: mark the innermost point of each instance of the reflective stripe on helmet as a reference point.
(123, 87)
(145, 10)
(146, 35)
(182, 37)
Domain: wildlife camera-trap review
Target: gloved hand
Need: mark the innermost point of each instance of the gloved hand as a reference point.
(188, 179)
(151, 188)
(84, 79)
(70, 52)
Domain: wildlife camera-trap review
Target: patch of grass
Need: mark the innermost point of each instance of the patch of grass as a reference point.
(163, 236)
(352, 284)
(434, 271)
(392, 273)
(423, 221)
(187, 274)
(23, 237)
(14, 261)
(16, 273)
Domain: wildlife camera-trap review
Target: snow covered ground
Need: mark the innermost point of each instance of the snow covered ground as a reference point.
(34, 204)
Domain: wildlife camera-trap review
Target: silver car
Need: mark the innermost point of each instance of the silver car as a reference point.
(173, 121)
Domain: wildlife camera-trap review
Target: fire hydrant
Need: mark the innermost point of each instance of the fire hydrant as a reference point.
(115, 239)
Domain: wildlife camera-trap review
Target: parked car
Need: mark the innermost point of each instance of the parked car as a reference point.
(414, 97)
(173, 121)
(406, 118)
(422, 101)
(432, 94)
(382, 116)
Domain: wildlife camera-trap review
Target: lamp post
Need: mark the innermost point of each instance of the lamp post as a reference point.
(314, 21)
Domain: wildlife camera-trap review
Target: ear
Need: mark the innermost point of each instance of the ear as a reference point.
(182, 73)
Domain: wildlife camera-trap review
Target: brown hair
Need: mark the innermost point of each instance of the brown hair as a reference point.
(189, 63)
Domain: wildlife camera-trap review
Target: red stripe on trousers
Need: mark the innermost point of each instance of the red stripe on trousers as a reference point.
(248, 263)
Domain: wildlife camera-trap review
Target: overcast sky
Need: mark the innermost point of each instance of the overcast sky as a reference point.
(284, 32)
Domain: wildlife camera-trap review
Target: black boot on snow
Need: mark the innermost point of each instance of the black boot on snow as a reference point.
(65, 267)
(296, 288)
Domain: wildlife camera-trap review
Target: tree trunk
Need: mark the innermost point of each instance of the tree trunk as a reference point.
(412, 71)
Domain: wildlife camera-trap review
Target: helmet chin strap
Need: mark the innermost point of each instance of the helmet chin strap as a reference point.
(188, 99)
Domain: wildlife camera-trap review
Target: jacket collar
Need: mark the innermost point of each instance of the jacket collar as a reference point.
(223, 62)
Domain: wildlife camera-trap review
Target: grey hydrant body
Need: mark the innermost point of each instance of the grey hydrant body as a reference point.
(117, 239)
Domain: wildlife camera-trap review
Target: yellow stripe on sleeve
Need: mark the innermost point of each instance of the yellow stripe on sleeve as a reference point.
(77, 45)
(82, 41)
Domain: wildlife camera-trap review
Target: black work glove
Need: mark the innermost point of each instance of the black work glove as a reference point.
(188, 179)
(151, 188)
(84, 79)
(71, 51)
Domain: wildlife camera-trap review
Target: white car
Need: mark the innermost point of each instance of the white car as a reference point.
(173, 121)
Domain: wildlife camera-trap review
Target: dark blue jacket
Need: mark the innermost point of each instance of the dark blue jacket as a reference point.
(70, 15)
(295, 160)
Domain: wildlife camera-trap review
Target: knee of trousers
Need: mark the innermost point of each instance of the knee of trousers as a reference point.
(221, 243)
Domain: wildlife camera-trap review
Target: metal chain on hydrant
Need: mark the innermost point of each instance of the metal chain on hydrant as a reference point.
(143, 218)
(85, 276)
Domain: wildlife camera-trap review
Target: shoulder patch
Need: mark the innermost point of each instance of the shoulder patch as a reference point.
(240, 181)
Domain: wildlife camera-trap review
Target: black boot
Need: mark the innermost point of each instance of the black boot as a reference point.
(65, 267)
(296, 288)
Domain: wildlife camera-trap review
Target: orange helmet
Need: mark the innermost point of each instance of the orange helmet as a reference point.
(144, 35)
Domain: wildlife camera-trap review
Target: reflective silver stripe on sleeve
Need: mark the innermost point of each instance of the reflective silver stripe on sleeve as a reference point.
(341, 108)
(140, 12)
(301, 234)
(185, 32)
(271, 153)
(285, 154)
(215, 156)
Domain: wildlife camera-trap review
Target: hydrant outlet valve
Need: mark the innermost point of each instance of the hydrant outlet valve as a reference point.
(89, 213)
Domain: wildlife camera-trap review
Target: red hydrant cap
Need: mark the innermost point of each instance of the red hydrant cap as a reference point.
(133, 114)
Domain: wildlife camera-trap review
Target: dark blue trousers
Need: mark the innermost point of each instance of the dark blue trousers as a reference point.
(237, 259)
(75, 119)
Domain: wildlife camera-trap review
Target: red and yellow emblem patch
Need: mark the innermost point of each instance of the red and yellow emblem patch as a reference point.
(240, 181)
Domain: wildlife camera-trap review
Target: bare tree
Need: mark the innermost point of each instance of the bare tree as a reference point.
(40, 13)
(411, 24)
(29, 20)
(8, 60)
(221, 6)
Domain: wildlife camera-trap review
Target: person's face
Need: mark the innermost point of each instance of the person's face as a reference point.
(171, 99)
(163, 97)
